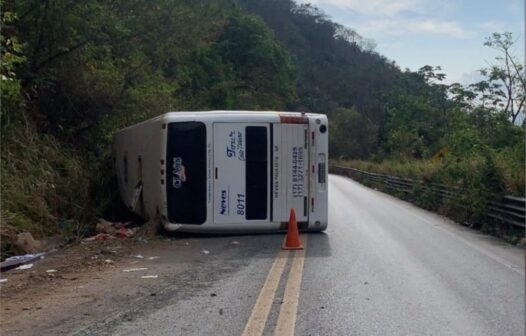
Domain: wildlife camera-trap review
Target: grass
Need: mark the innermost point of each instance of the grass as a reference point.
(45, 186)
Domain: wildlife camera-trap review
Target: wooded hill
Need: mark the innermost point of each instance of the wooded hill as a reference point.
(73, 72)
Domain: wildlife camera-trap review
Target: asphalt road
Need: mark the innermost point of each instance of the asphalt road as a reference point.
(383, 267)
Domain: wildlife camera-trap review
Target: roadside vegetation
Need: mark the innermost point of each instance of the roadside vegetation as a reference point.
(470, 139)
(75, 72)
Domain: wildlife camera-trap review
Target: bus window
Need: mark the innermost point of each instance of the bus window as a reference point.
(256, 172)
(186, 172)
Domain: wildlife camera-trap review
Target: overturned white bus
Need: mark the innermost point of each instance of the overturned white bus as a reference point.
(226, 171)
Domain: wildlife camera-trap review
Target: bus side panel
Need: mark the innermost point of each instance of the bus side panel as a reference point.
(137, 160)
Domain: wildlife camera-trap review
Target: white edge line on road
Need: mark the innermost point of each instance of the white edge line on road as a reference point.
(515, 268)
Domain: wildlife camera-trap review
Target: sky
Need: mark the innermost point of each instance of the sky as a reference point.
(446, 33)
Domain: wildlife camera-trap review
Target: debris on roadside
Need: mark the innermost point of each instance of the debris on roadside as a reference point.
(149, 276)
(103, 226)
(142, 240)
(51, 271)
(139, 256)
(110, 230)
(15, 261)
(3, 280)
(125, 233)
(24, 267)
(96, 256)
(100, 236)
(25, 258)
(235, 242)
(153, 258)
(108, 261)
(206, 252)
(135, 269)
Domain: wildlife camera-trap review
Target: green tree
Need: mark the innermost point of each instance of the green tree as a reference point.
(352, 135)
(416, 115)
(265, 76)
(12, 56)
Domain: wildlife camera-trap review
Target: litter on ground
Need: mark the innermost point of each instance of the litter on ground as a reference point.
(104, 226)
(100, 236)
(149, 276)
(142, 240)
(24, 267)
(26, 257)
(110, 230)
(15, 261)
(124, 233)
(134, 269)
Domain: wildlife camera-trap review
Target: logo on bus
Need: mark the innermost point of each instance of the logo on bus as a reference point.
(235, 146)
(179, 173)
(223, 202)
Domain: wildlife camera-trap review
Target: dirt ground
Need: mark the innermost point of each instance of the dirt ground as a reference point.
(86, 282)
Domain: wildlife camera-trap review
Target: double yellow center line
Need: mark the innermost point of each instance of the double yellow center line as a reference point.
(287, 314)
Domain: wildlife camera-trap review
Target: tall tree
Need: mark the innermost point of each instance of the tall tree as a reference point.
(509, 72)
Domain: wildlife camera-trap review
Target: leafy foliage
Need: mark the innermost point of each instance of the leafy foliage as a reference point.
(244, 69)
(74, 72)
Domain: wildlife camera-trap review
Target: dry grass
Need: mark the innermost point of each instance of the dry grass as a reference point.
(417, 169)
(45, 187)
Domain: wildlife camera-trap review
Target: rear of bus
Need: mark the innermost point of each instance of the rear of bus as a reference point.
(243, 172)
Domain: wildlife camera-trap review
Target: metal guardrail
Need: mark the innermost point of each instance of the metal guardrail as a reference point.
(507, 209)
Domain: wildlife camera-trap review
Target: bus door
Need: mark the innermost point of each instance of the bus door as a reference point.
(290, 164)
(241, 172)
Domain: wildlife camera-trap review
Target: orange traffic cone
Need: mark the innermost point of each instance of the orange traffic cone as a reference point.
(292, 241)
